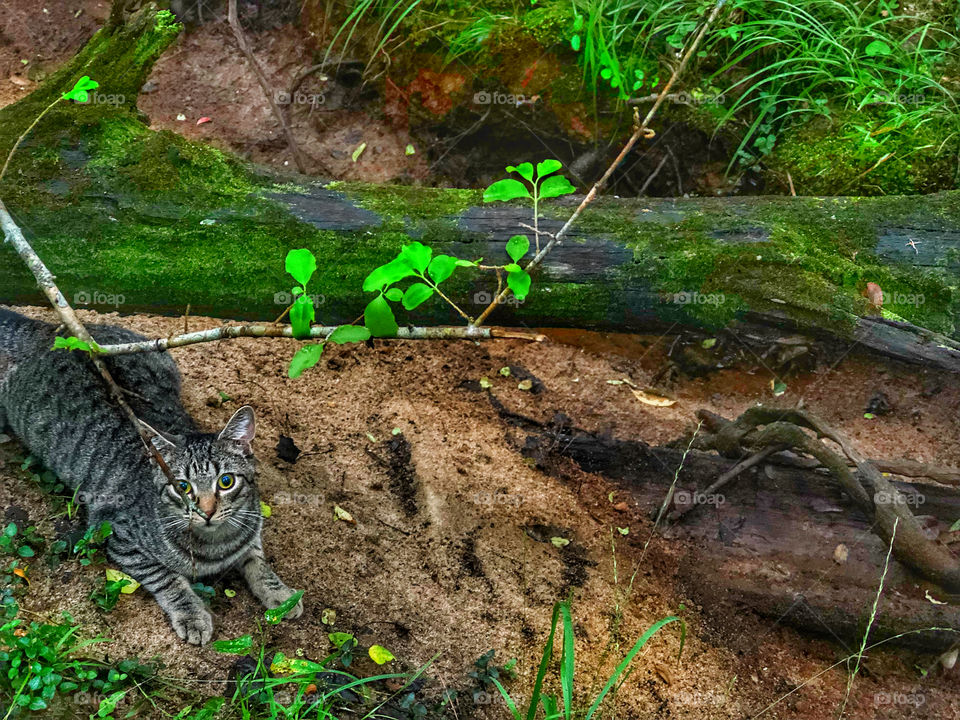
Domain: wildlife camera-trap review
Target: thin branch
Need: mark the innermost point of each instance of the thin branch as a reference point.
(234, 22)
(467, 332)
(641, 130)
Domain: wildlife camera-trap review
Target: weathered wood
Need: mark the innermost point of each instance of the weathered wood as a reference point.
(767, 545)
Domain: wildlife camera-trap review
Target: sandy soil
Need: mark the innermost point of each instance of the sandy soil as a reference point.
(441, 560)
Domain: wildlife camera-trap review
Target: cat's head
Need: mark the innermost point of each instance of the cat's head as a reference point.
(215, 472)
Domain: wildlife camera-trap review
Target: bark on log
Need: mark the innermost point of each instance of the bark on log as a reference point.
(140, 220)
(769, 546)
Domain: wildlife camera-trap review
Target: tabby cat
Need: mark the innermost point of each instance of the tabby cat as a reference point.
(58, 407)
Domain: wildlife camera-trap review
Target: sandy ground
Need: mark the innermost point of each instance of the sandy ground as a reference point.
(441, 562)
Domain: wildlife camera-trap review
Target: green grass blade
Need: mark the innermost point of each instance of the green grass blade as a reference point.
(544, 663)
(566, 661)
(629, 657)
(508, 700)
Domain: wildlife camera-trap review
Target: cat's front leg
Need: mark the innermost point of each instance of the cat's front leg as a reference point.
(190, 618)
(264, 583)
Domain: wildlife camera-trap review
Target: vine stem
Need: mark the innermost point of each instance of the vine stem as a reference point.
(641, 130)
(26, 132)
(451, 303)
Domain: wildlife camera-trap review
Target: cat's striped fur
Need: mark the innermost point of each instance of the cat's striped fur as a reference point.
(58, 407)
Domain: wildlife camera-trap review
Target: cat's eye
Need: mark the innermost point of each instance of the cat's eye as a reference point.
(185, 487)
(226, 481)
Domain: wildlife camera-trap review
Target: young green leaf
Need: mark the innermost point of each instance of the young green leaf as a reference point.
(555, 186)
(394, 294)
(468, 263)
(517, 247)
(525, 170)
(512, 267)
(238, 646)
(70, 343)
(503, 190)
(339, 639)
(379, 278)
(416, 255)
(349, 334)
(301, 315)
(304, 359)
(876, 48)
(519, 283)
(275, 615)
(79, 91)
(378, 318)
(548, 166)
(441, 267)
(416, 294)
(301, 264)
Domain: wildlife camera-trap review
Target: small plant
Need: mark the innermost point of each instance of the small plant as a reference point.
(293, 687)
(428, 271)
(20, 544)
(92, 542)
(551, 704)
(484, 672)
(204, 592)
(40, 660)
(108, 594)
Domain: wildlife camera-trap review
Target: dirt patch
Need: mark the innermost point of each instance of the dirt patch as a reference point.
(473, 567)
(35, 38)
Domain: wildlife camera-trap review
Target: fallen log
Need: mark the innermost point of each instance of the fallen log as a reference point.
(134, 220)
(770, 543)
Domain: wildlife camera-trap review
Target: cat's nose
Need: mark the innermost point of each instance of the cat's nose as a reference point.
(207, 505)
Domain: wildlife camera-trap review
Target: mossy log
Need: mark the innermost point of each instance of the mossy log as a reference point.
(141, 220)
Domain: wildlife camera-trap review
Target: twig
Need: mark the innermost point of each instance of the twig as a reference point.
(646, 184)
(641, 130)
(729, 475)
(234, 22)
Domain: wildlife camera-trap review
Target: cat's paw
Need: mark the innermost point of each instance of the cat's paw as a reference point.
(275, 598)
(195, 625)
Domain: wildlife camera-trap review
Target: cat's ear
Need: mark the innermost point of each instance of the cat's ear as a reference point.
(240, 429)
(162, 441)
